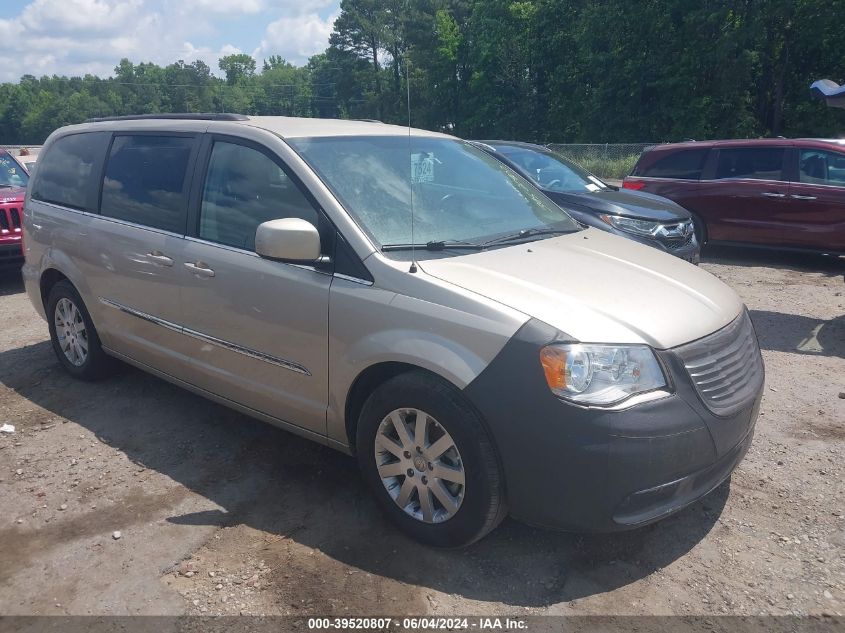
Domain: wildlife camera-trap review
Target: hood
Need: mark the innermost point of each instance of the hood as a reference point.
(624, 202)
(12, 194)
(598, 288)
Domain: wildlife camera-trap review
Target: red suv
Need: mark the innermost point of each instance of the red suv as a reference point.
(13, 181)
(787, 193)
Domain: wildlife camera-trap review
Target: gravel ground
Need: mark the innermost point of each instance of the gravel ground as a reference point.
(132, 496)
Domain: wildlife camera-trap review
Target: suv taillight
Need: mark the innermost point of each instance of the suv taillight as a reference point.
(636, 185)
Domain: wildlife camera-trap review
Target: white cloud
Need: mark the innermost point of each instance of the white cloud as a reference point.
(10, 30)
(228, 49)
(87, 16)
(226, 6)
(76, 37)
(296, 38)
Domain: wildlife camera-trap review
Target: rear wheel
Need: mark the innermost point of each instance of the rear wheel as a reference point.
(75, 340)
(430, 462)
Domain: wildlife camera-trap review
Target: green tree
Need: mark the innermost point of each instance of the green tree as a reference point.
(535, 70)
(239, 67)
(364, 29)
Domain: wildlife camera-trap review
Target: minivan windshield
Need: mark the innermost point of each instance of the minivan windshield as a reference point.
(461, 195)
(11, 173)
(550, 171)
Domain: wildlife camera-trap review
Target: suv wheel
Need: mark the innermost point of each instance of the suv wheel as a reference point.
(428, 458)
(75, 341)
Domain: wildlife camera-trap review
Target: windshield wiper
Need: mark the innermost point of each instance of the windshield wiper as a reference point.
(525, 234)
(442, 245)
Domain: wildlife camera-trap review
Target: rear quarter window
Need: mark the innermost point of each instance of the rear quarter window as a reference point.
(68, 172)
(685, 164)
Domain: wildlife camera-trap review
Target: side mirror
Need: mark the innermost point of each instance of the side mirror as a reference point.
(289, 240)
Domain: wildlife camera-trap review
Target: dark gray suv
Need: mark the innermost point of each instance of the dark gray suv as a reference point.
(637, 215)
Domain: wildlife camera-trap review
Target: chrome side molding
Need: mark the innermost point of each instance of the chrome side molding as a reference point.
(234, 347)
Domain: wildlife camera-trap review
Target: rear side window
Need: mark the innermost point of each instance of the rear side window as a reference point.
(146, 182)
(821, 168)
(756, 163)
(244, 188)
(684, 164)
(68, 172)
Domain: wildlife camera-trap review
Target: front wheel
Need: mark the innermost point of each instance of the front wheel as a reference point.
(430, 462)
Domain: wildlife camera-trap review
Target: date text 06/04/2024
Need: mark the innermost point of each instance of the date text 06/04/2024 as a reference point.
(422, 623)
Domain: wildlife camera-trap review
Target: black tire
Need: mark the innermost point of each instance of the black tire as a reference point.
(483, 506)
(96, 364)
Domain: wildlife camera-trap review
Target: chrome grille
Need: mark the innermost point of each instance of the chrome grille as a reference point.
(10, 220)
(679, 243)
(676, 235)
(726, 367)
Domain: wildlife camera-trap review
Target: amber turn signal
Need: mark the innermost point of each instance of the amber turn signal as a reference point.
(553, 360)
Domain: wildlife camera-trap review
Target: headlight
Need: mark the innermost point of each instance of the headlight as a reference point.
(632, 225)
(600, 374)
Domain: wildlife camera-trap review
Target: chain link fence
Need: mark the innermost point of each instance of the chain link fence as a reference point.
(611, 161)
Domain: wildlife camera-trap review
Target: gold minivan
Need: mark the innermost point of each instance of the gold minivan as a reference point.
(402, 296)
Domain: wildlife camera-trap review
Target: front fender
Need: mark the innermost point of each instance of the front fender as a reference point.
(427, 350)
(370, 326)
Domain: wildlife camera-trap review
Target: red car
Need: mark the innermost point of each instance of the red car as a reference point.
(786, 193)
(13, 181)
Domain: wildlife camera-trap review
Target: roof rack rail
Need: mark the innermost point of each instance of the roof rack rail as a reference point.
(201, 116)
(367, 120)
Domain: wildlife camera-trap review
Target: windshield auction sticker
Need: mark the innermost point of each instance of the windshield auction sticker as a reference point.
(422, 167)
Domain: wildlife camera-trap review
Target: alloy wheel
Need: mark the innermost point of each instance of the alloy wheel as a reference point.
(71, 332)
(419, 465)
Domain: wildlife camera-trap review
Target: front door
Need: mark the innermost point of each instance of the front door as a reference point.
(259, 327)
(816, 216)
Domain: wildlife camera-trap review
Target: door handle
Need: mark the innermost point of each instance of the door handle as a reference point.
(159, 258)
(199, 269)
(772, 194)
(797, 197)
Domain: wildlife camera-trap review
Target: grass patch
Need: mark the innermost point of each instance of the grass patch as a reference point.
(612, 168)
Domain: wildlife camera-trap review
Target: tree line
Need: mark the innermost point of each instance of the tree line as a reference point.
(536, 70)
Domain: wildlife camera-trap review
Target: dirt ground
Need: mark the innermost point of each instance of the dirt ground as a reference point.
(221, 514)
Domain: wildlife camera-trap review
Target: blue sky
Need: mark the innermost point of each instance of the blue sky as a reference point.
(74, 37)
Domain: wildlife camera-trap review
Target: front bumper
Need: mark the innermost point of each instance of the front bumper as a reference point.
(11, 255)
(652, 504)
(591, 469)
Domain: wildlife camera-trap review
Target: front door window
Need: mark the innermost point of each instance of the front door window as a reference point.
(243, 189)
(818, 167)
